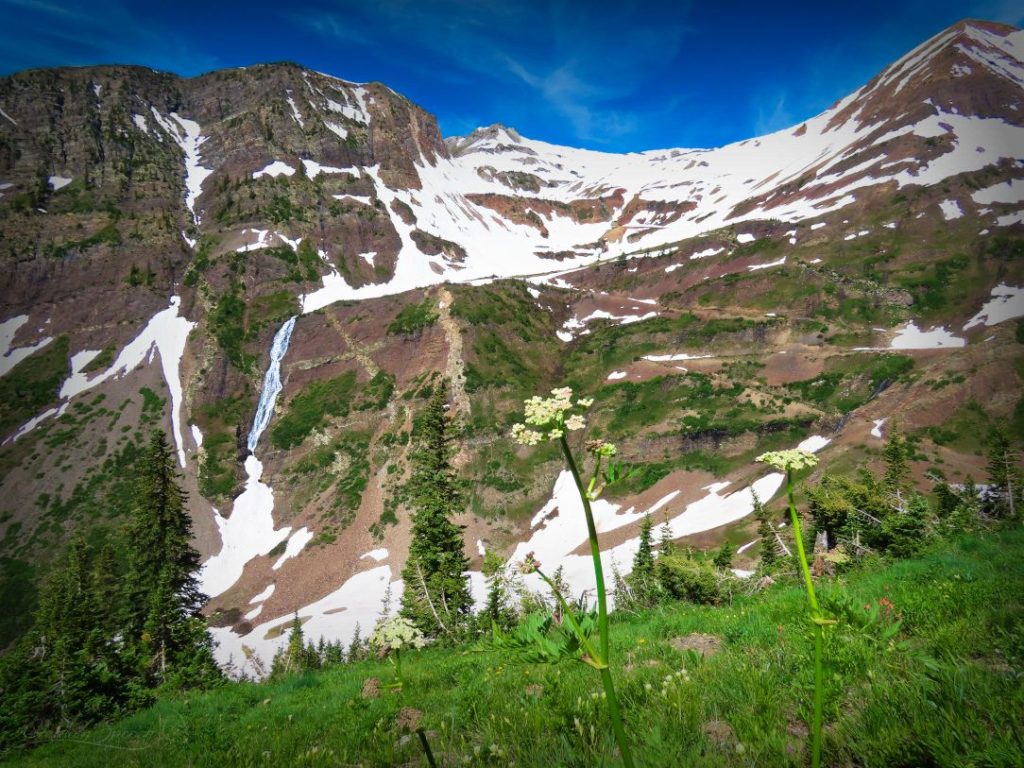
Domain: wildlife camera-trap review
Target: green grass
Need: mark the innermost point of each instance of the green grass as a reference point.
(309, 409)
(33, 384)
(413, 318)
(849, 381)
(344, 464)
(944, 691)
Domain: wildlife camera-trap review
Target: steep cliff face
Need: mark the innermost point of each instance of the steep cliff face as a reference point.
(158, 235)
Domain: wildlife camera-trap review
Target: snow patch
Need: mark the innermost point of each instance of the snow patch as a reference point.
(295, 110)
(314, 169)
(264, 595)
(876, 430)
(11, 357)
(778, 263)
(1007, 302)
(911, 337)
(814, 443)
(247, 533)
(1011, 191)
(616, 375)
(340, 131)
(166, 334)
(296, 544)
(186, 134)
(78, 381)
(375, 554)
(705, 253)
(951, 210)
(674, 357)
(59, 182)
(274, 169)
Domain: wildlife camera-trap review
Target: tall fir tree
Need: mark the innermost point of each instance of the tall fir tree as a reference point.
(897, 467)
(293, 658)
(1003, 494)
(496, 611)
(436, 596)
(723, 558)
(164, 600)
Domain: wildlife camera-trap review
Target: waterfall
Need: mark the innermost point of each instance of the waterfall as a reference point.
(271, 383)
(249, 531)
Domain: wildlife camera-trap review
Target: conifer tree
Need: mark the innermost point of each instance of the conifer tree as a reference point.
(766, 533)
(66, 671)
(164, 598)
(291, 659)
(666, 544)
(357, 646)
(496, 611)
(897, 466)
(642, 580)
(723, 558)
(643, 560)
(1003, 475)
(436, 596)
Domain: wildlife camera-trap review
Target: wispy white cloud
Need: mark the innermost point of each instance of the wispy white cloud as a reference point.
(581, 66)
(772, 114)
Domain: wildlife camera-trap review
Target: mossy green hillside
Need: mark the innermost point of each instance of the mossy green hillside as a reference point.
(941, 687)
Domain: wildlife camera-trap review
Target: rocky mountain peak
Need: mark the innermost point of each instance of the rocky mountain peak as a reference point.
(492, 138)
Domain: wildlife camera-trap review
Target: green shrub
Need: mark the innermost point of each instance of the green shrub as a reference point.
(376, 394)
(413, 318)
(684, 578)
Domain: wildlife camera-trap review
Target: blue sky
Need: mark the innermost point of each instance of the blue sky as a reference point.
(613, 76)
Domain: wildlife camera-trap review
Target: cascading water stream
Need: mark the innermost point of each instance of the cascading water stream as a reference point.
(271, 383)
(249, 531)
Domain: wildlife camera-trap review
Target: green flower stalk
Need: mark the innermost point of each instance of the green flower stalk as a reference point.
(389, 638)
(789, 462)
(549, 419)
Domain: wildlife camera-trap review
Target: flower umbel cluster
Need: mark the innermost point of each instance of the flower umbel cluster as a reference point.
(529, 564)
(789, 461)
(396, 634)
(601, 448)
(548, 418)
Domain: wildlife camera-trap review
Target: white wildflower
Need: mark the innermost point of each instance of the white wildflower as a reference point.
(789, 460)
(396, 634)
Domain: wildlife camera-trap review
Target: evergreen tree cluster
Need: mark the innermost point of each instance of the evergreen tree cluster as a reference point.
(299, 656)
(888, 515)
(854, 515)
(111, 630)
(673, 574)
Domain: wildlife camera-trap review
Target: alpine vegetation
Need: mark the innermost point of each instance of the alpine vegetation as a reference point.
(789, 462)
(550, 419)
(783, 528)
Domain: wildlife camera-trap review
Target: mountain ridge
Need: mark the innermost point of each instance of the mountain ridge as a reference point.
(717, 302)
